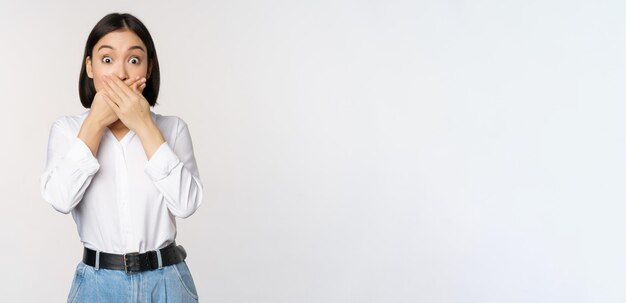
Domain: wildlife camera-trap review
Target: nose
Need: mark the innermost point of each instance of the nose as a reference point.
(121, 72)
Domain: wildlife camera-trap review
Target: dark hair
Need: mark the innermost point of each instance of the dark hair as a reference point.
(110, 23)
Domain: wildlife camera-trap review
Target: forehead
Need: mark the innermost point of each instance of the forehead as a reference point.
(120, 40)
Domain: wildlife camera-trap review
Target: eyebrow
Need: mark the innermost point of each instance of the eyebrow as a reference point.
(130, 48)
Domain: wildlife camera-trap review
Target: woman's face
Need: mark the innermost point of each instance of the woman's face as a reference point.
(120, 53)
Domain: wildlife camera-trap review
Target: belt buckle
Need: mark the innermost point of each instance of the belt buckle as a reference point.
(126, 265)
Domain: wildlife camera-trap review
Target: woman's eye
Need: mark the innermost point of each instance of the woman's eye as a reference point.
(107, 59)
(134, 60)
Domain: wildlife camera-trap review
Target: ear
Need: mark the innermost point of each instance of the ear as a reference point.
(149, 71)
(88, 67)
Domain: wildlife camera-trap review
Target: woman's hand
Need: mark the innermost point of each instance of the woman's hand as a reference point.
(101, 112)
(127, 102)
(134, 111)
(100, 116)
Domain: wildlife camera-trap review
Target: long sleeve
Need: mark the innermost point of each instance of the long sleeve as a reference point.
(70, 167)
(175, 173)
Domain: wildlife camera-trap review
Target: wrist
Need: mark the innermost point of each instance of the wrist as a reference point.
(94, 124)
(147, 129)
(151, 138)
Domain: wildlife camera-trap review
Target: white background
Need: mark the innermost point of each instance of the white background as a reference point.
(352, 151)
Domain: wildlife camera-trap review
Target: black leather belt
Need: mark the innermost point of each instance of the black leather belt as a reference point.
(136, 262)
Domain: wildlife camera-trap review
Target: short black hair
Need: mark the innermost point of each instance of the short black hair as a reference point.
(111, 23)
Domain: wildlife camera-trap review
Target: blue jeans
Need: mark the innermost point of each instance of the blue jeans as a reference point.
(171, 283)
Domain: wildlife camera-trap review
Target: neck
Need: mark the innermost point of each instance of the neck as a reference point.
(117, 125)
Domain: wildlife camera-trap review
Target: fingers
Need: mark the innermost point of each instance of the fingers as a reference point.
(111, 104)
(117, 87)
(119, 92)
(126, 87)
(139, 85)
(131, 81)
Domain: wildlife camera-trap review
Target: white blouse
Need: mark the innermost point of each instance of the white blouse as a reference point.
(120, 201)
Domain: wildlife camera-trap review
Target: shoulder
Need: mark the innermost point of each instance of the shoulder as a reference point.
(169, 122)
(69, 124)
(173, 128)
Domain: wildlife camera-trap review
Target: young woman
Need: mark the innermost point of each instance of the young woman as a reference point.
(124, 172)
